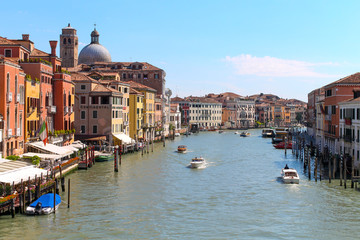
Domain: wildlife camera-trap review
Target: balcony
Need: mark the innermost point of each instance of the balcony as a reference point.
(18, 133)
(9, 97)
(126, 123)
(348, 138)
(71, 109)
(51, 109)
(66, 109)
(18, 97)
(9, 133)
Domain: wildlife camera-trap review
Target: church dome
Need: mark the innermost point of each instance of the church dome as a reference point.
(94, 52)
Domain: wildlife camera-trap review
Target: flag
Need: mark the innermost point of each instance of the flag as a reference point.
(43, 133)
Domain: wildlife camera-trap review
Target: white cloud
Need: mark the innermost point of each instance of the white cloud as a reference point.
(246, 64)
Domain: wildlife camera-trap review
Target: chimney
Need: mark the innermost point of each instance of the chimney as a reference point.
(53, 45)
(25, 37)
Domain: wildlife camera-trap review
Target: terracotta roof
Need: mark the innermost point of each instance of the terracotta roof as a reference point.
(201, 99)
(229, 94)
(38, 53)
(102, 88)
(133, 91)
(140, 86)
(6, 41)
(146, 66)
(81, 77)
(177, 99)
(351, 79)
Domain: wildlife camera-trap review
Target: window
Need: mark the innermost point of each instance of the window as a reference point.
(145, 76)
(125, 90)
(156, 76)
(105, 100)
(69, 41)
(82, 129)
(95, 114)
(82, 100)
(64, 41)
(95, 129)
(16, 85)
(139, 75)
(328, 93)
(8, 53)
(83, 87)
(83, 115)
(94, 100)
(333, 109)
(8, 82)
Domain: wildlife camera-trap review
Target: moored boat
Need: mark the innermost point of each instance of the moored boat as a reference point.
(281, 145)
(103, 157)
(181, 148)
(197, 162)
(289, 175)
(44, 205)
(267, 133)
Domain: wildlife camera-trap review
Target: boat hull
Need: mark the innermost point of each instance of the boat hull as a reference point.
(104, 158)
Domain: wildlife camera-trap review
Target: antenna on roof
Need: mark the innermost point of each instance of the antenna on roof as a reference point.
(95, 26)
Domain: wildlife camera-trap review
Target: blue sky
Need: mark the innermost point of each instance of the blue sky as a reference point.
(283, 47)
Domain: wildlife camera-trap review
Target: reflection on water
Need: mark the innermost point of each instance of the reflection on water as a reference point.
(237, 196)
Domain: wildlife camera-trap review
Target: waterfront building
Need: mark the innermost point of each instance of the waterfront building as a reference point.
(69, 47)
(349, 124)
(99, 110)
(175, 116)
(202, 111)
(335, 92)
(148, 123)
(32, 108)
(12, 104)
(263, 114)
(228, 117)
(136, 110)
(56, 92)
(244, 107)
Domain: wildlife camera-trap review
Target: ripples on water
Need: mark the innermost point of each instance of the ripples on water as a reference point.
(237, 196)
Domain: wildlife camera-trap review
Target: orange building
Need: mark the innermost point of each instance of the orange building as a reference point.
(11, 107)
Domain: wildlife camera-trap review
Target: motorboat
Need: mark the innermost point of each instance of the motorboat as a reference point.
(289, 175)
(221, 131)
(245, 134)
(181, 149)
(103, 157)
(268, 133)
(197, 162)
(44, 204)
(236, 133)
(281, 134)
(281, 145)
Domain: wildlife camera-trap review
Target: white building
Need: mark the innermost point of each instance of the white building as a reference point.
(350, 129)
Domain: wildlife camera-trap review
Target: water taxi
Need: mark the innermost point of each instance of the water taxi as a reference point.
(289, 175)
(181, 149)
(103, 157)
(197, 162)
(280, 135)
(268, 133)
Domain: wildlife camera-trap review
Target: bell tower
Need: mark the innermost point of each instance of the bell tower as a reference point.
(69, 47)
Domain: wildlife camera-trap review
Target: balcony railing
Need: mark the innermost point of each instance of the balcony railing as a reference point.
(18, 97)
(9, 96)
(18, 133)
(9, 132)
(51, 109)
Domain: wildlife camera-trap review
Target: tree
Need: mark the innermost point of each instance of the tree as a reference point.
(299, 117)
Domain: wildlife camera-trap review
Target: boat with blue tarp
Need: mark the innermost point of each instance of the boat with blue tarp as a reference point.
(44, 204)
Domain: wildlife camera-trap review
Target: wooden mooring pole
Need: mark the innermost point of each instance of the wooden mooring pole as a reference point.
(315, 168)
(352, 172)
(308, 162)
(329, 166)
(340, 167)
(345, 171)
(68, 203)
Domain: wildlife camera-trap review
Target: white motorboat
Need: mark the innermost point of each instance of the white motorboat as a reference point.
(197, 162)
(236, 133)
(268, 133)
(44, 205)
(289, 175)
(245, 134)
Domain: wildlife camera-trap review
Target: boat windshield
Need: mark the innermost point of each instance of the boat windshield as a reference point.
(290, 174)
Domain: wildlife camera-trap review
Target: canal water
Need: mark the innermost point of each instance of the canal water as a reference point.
(237, 196)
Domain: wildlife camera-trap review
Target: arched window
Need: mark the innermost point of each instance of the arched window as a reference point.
(64, 41)
(69, 41)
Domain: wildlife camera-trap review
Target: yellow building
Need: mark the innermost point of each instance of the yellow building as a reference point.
(136, 114)
(32, 104)
(148, 122)
(281, 115)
